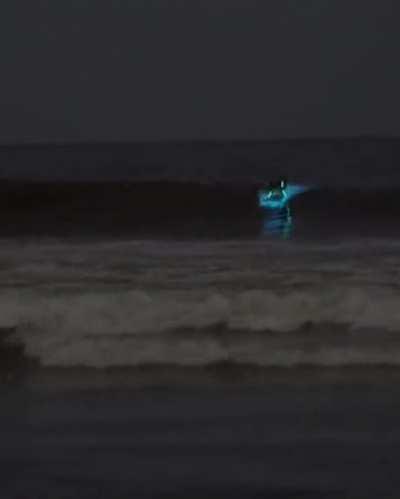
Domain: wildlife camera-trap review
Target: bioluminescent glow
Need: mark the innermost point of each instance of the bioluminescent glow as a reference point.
(277, 198)
(278, 223)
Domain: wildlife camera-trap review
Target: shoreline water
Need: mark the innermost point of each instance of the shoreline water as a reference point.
(288, 434)
(218, 377)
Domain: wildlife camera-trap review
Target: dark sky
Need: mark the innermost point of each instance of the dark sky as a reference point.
(134, 70)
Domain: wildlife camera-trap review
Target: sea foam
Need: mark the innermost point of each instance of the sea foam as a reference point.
(255, 326)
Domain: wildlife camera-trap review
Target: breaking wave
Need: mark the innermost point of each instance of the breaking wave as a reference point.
(334, 326)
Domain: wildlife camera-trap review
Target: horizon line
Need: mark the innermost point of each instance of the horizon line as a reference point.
(67, 142)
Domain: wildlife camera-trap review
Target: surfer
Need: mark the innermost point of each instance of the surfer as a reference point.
(275, 195)
(278, 189)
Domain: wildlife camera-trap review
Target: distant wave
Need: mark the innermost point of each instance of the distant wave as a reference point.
(358, 161)
(180, 196)
(172, 208)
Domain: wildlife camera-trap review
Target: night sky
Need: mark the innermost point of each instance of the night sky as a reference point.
(206, 69)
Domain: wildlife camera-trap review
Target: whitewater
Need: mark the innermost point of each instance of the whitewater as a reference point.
(126, 303)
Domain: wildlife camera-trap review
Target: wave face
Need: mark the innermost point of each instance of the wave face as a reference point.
(196, 303)
(186, 210)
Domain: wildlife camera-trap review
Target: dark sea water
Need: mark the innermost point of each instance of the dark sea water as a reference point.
(170, 339)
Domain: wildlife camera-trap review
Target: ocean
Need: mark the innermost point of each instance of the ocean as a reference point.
(166, 338)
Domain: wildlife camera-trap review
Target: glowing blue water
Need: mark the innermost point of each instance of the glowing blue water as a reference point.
(278, 223)
(268, 199)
